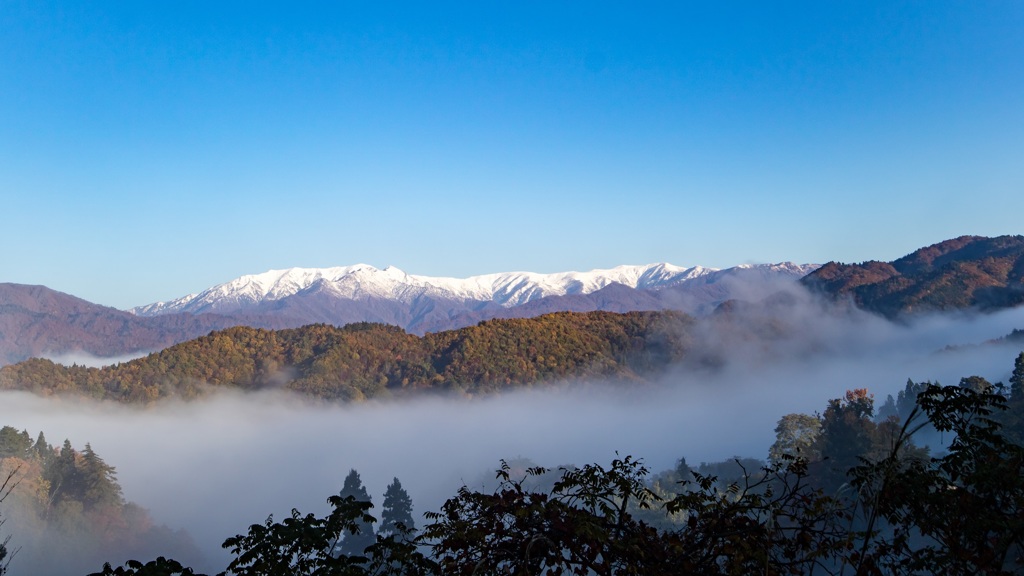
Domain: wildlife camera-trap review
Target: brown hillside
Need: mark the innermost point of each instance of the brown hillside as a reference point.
(365, 360)
(966, 272)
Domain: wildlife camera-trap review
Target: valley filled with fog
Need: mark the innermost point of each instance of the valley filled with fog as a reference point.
(214, 466)
(254, 247)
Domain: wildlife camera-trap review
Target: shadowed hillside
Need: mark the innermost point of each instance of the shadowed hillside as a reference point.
(38, 321)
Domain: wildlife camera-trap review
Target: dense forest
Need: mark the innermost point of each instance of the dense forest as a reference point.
(70, 500)
(852, 490)
(363, 360)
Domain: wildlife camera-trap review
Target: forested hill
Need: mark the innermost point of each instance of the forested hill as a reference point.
(362, 361)
(965, 272)
(63, 508)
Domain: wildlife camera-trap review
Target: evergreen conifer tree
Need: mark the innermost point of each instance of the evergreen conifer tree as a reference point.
(42, 450)
(14, 444)
(396, 511)
(1017, 379)
(63, 474)
(99, 481)
(1013, 418)
(355, 544)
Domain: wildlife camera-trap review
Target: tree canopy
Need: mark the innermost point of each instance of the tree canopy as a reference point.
(363, 360)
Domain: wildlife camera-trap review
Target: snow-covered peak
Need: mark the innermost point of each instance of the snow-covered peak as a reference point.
(361, 281)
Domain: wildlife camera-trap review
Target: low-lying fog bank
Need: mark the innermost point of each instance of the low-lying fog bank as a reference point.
(214, 467)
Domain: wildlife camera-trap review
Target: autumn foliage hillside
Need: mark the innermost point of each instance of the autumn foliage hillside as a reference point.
(363, 360)
(965, 272)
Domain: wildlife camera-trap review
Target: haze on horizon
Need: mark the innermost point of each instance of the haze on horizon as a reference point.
(154, 150)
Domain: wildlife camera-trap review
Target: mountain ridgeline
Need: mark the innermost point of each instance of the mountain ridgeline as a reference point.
(363, 360)
(36, 321)
(970, 272)
(965, 272)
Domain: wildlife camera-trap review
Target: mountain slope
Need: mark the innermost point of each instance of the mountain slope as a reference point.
(364, 360)
(38, 321)
(965, 272)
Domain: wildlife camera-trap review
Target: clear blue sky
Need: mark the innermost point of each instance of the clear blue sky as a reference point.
(152, 149)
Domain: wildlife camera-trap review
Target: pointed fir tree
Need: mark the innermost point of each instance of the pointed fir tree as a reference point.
(396, 512)
(41, 450)
(355, 544)
(99, 480)
(63, 475)
(1017, 379)
(1013, 418)
(887, 410)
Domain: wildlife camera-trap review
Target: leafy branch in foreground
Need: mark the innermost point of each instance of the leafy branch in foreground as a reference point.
(310, 545)
(159, 567)
(6, 487)
(774, 522)
(581, 527)
(960, 513)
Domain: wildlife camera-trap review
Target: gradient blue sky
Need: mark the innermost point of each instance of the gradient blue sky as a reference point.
(152, 149)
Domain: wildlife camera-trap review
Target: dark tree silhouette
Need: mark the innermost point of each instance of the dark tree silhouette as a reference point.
(159, 567)
(396, 512)
(6, 486)
(355, 542)
(961, 513)
(847, 434)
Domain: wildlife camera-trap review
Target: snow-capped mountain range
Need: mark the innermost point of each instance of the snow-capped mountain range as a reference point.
(38, 321)
(363, 282)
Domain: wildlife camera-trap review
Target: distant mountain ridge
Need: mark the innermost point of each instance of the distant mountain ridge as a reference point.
(423, 303)
(965, 272)
(362, 281)
(36, 321)
(962, 273)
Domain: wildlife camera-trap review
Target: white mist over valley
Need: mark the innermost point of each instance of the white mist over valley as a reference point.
(216, 465)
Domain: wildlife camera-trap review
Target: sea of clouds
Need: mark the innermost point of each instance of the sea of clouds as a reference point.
(217, 465)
